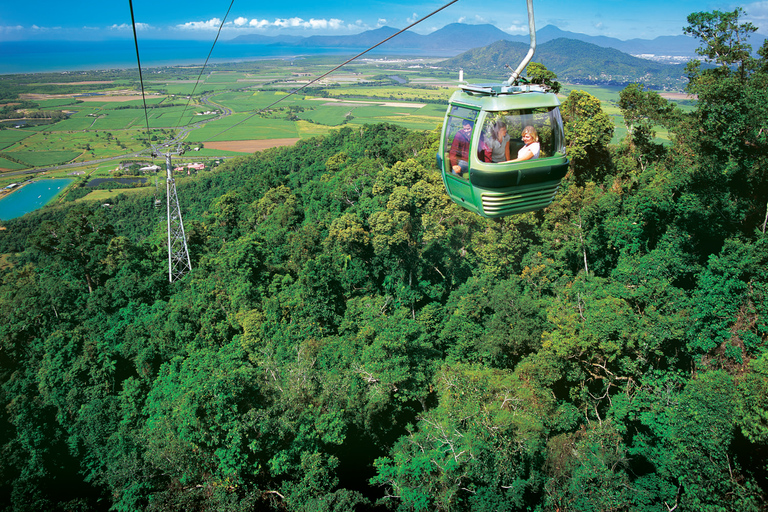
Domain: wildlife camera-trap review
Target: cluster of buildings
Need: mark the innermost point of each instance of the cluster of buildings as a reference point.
(197, 166)
(189, 167)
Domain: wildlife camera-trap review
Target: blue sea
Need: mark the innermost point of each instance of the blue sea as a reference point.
(54, 56)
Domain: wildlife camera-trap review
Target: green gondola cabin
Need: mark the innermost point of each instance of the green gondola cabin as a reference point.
(489, 185)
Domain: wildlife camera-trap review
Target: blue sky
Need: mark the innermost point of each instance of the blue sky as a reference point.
(199, 19)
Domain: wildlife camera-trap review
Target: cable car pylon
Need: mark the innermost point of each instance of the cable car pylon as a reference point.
(179, 263)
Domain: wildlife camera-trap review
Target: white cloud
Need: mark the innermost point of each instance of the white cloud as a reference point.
(518, 28)
(380, 23)
(757, 14)
(333, 24)
(212, 24)
(288, 23)
(126, 26)
(360, 25)
(254, 23)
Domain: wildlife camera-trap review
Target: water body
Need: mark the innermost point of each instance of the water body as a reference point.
(48, 56)
(30, 197)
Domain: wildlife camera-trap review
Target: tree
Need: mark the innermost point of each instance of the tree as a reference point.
(732, 117)
(539, 74)
(724, 39)
(642, 110)
(588, 131)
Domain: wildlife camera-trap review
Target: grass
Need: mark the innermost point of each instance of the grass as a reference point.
(43, 158)
(104, 196)
(250, 128)
(13, 166)
(307, 130)
(10, 137)
(392, 93)
(327, 115)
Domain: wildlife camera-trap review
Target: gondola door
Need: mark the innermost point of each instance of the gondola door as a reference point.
(458, 143)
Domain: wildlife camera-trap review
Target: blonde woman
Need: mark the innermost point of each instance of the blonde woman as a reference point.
(532, 146)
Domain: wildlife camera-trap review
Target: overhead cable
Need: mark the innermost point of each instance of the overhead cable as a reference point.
(296, 91)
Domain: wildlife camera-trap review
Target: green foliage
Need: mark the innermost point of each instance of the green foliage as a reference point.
(349, 339)
(588, 131)
(539, 74)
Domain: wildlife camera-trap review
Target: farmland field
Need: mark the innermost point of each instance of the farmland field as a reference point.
(11, 166)
(110, 122)
(43, 158)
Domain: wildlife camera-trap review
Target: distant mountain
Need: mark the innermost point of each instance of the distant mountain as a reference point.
(464, 37)
(572, 60)
(683, 46)
(365, 39)
(454, 38)
(459, 37)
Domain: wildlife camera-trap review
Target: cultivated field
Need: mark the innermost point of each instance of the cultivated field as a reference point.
(233, 109)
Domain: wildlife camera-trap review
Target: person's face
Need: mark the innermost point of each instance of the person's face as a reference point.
(502, 132)
(527, 138)
(466, 128)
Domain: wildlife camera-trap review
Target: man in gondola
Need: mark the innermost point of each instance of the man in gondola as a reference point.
(459, 152)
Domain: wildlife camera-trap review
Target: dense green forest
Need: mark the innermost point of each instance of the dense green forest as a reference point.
(349, 339)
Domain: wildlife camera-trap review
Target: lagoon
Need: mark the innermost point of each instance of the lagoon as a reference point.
(30, 197)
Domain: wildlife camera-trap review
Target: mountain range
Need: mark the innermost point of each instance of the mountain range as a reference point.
(486, 51)
(455, 38)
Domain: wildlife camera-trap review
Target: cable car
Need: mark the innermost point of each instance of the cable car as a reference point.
(502, 147)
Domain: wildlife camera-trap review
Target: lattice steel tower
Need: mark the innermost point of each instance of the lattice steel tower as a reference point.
(178, 254)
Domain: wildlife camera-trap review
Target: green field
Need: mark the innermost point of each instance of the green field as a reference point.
(13, 166)
(10, 137)
(110, 129)
(245, 127)
(43, 158)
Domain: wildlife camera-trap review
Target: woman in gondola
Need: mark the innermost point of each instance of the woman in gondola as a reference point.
(532, 146)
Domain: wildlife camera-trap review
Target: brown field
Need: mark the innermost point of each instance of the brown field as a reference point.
(111, 99)
(126, 95)
(87, 82)
(250, 146)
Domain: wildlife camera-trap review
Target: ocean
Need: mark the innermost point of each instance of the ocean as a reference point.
(59, 56)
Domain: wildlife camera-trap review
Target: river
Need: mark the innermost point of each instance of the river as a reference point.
(30, 197)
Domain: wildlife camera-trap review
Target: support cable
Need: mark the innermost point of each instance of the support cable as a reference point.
(141, 78)
(296, 91)
(197, 82)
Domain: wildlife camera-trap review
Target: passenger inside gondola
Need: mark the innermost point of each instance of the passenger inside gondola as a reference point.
(531, 147)
(498, 142)
(459, 153)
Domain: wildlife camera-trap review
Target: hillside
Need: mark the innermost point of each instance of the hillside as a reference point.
(572, 61)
